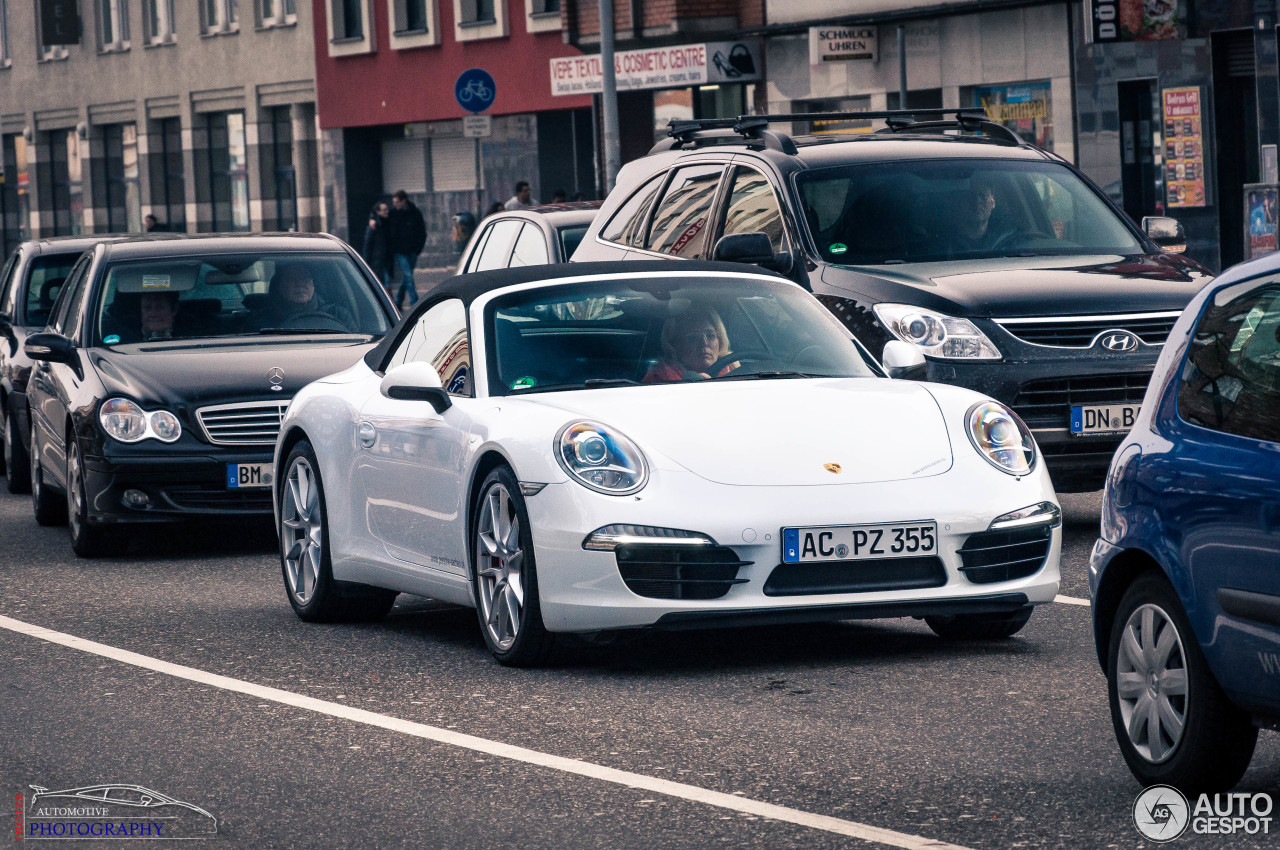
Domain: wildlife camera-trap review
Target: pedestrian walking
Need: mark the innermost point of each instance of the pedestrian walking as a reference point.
(559, 197)
(495, 207)
(406, 236)
(522, 198)
(464, 224)
(377, 252)
(152, 224)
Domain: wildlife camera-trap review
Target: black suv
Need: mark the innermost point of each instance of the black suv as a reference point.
(949, 246)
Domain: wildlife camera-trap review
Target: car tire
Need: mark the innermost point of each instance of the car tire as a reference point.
(1214, 745)
(980, 626)
(87, 540)
(304, 551)
(17, 466)
(504, 575)
(48, 507)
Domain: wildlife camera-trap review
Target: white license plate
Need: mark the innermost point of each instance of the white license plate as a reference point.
(244, 475)
(859, 542)
(1103, 418)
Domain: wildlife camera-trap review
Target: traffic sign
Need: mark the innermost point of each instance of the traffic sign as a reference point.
(475, 90)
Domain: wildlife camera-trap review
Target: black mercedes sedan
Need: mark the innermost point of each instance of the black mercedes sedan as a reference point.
(166, 368)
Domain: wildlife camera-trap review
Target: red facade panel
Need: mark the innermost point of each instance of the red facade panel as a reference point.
(402, 86)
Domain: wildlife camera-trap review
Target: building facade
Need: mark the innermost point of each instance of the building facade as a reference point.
(201, 114)
(393, 99)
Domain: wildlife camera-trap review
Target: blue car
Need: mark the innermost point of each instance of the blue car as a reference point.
(1185, 579)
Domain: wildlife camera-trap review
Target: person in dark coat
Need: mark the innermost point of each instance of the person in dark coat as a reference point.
(407, 235)
(377, 251)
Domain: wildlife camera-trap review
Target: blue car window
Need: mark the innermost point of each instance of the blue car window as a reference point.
(1231, 379)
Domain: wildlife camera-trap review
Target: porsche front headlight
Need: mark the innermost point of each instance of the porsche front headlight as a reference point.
(1001, 437)
(126, 421)
(601, 459)
(936, 334)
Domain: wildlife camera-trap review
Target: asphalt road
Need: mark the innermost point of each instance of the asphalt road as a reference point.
(880, 724)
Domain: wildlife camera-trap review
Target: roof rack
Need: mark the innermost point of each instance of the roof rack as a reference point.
(755, 127)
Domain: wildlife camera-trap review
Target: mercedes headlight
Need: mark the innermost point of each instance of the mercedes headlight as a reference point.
(601, 459)
(125, 421)
(1001, 437)
(936, 334)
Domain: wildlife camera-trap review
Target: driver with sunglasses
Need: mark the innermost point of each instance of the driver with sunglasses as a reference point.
(695, 347)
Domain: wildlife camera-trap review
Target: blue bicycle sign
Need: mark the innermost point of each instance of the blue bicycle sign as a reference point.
(475, 90)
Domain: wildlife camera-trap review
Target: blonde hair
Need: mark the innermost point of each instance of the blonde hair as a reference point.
(691, 319)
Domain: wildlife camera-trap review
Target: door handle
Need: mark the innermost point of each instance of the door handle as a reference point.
(368, 434)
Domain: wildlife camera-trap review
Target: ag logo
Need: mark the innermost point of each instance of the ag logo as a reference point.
(1161, 813)
(1119, 341)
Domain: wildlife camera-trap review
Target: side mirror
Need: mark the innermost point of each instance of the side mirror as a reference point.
(416, 381)
(753, 248)
(903, 360)
(51, 348)
(1165, 232)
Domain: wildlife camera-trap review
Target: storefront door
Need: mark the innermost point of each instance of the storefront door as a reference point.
(1138, 174)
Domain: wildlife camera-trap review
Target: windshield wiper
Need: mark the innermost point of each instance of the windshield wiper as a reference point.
(284, 331)
(589, 383)
(752, 376)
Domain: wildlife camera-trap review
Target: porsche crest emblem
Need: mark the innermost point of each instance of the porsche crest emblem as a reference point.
(833, 467)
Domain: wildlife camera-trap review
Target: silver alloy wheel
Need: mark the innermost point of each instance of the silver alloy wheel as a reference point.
(75, 493)
(301, 530)
(499, 567)
(1151, 683)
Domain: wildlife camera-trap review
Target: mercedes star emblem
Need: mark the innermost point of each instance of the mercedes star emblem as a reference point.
(276, 376)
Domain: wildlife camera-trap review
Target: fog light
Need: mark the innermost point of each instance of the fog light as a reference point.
(136, 499)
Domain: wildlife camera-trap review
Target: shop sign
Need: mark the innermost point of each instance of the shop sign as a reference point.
(1183, 147)
(1134, 20)
(842, 43)
(1260, 219)
(678, 66)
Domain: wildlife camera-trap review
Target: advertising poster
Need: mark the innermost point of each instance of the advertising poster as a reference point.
(1135, 20)
(1183, 147)
(1260, 201)
(1023, 108)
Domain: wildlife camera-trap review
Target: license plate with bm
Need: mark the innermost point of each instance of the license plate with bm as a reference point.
(859, 542)
(245, 475)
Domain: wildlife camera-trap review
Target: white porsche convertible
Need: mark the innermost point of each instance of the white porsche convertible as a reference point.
(597, 447)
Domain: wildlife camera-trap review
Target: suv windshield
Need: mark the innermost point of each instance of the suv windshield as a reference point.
(926, 211)
(664, 330)
(236, 295)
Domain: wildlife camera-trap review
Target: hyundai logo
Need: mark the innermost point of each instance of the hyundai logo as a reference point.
(1119, 341)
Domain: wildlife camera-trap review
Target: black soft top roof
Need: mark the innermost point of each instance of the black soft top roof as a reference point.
(469, 287)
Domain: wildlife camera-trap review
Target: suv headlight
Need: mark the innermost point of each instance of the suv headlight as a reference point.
(936, 334)
(601, 459)
(127, 422)
(1001, 437)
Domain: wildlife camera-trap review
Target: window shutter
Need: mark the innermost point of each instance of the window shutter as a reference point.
(404, 165)
(453, 165)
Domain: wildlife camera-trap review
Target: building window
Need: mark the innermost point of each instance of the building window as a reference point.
(15, 206)
(113, 25)
(120, 161)
(219, 16)
(228, 175)
(277, 13)
(542, 15)
(349, 30)
(414, 23)
(66, 195)
(159, 17)
(170, 187)
(4, 34)
(480, 19)
(279, 179)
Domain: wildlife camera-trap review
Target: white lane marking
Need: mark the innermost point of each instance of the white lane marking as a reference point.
(1071, 600)
(482, 745)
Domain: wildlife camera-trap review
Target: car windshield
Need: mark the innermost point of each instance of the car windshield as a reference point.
(44, 281)
(930, 210)
(241, 295)
(663, 330)
(571, 238)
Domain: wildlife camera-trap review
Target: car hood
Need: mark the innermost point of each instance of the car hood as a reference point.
(1031, 286)
(182, 373)
(777, 432)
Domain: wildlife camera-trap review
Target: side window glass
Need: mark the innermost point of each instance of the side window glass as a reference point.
(531, 248)
(498, 248)
(79, 285)
(440, 338)
(627, 225)
(10, 301)
(67, 297)
(680, 223)
(1231, 379)
(753, 208)
(474, 259)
